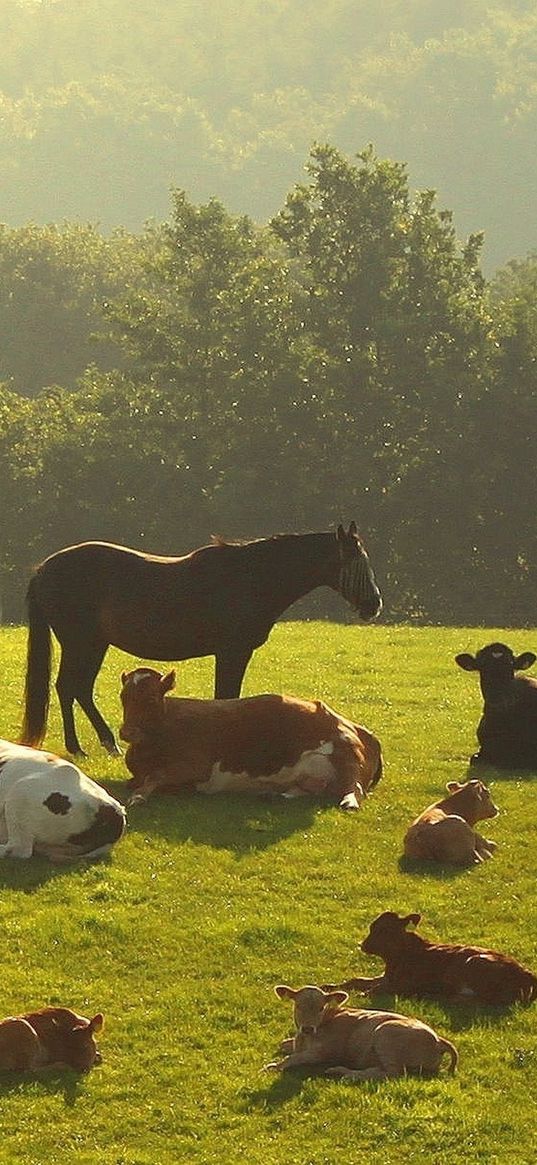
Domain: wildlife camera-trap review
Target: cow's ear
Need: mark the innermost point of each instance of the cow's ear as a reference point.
(284, 992)
(522, 662)
(467, 662)
(453, 786)
(168, 682)
(336, 998)
(97, 1023)
(413, 918)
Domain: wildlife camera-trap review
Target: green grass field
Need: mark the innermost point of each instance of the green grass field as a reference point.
(207, 903)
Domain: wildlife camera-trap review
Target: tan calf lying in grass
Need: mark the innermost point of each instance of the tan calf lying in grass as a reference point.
(445, 832)
(358, 1044)
(53, 1035)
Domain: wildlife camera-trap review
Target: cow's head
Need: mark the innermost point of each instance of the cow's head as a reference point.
(311, 1005)
(387, 932)
(471, 800)
(496, 665)
(142, 695)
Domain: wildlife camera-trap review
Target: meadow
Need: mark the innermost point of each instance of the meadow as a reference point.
(208, 902)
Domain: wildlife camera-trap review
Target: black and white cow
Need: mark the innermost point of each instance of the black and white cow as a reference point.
(507, 731)
(49, 807)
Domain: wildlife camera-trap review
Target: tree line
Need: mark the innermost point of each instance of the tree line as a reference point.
(106, 104)
(210, 376)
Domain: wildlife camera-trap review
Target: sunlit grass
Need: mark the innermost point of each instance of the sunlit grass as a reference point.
(207, 903)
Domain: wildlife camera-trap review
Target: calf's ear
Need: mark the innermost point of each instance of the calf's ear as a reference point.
(522, 662)
(413, 918)
(168, 682)
(453, 786)
(335, 997)
(467, 662)
(284, 992)
(97, 1023)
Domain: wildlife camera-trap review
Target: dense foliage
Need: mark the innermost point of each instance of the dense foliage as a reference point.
(106, 104)
(347, 360)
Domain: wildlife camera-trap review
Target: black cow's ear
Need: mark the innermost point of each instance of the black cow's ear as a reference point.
(467, 662)
(522, 662)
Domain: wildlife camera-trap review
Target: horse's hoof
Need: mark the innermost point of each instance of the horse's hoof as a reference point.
(112, 748)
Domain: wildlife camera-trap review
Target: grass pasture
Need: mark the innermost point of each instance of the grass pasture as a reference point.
(208, 902)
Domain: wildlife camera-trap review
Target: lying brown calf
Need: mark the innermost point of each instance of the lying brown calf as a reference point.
(445, 832)
(358, 1044)
(53, 1035)
(415, 966)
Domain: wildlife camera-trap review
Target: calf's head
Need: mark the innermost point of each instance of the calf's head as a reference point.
(496, 665)
(311, 1005)
(142, 695)
(387, 933)
(471, 800)
(80, 1049)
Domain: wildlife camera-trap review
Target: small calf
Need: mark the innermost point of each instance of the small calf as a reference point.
(49, 807)
(507, 731)
(445, 832)
(358, 1044)
(51, 1036)
(414, 966)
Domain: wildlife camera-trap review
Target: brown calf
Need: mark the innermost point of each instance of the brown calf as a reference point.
(260, 744)
(53, 1035)
(445, 832)
(358, 1044)
(416, 966)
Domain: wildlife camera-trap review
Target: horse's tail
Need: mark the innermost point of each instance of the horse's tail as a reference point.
(38, 669)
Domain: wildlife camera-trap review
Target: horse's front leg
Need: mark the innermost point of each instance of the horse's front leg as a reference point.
(231, 664)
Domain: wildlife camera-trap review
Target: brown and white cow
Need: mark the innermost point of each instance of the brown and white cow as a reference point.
(445, 831)
(49, 807)
(52, 1035)
(357, 1043)
(266, 743)
(415, 966)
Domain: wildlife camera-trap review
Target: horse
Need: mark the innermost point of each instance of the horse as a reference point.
(222, 599)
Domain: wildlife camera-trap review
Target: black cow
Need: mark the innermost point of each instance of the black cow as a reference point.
(507, 731)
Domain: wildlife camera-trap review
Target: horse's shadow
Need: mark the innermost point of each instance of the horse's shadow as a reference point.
(488, 773)
(237, 822)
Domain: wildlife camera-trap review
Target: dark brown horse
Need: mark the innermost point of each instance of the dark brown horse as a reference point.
(220, 600)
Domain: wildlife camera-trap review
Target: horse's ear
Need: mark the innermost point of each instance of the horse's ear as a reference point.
(123, 677)
(167, 682)
(353, 530)
(340, 533)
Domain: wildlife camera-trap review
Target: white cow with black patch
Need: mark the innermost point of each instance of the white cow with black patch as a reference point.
(49, 807)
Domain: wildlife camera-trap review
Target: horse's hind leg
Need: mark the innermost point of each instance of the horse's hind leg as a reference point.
(231, 664)
(78, 668)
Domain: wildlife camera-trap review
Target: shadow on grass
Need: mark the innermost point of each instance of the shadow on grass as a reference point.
(238, 823)
(431, 869)
(27, 876)
(488, 773)
(53, 1081)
